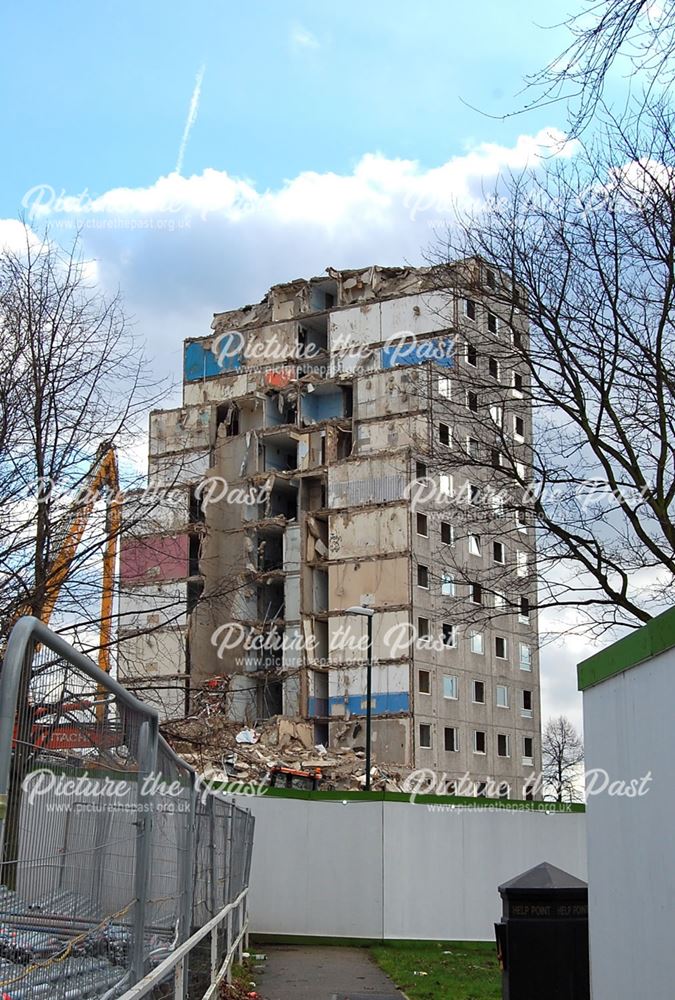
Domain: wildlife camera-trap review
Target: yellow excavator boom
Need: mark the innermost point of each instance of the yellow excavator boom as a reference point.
(102, 476)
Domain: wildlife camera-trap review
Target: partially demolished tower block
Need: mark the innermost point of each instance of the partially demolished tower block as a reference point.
(284, 492)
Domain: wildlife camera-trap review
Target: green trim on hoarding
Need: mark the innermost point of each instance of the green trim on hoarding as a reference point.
(446, 800)
(655, 637)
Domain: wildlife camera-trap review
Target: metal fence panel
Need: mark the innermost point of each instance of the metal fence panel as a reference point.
(111, 855)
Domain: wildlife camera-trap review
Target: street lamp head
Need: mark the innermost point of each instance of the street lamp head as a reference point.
(359, 610)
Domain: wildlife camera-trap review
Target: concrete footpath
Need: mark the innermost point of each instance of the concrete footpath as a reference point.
(308, 973)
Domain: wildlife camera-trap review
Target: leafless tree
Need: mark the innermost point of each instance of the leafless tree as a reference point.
(562, 753)
(72, 378)
(635, 37)
(576, 264)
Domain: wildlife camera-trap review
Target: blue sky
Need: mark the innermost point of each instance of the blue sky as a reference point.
(95, 95)
(322, 134)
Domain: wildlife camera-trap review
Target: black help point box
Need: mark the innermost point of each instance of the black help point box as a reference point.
(542, 939)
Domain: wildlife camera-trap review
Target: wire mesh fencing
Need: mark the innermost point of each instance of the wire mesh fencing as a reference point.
(111, 853)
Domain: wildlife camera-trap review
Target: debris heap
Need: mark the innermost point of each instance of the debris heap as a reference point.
(221, 750)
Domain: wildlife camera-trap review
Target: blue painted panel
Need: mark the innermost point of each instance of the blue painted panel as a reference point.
(322, 406)
(383, 702)
(317, 707)
(201, 363)
(440, 350)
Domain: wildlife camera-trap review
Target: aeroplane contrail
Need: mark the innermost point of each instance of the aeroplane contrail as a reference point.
(191, 118)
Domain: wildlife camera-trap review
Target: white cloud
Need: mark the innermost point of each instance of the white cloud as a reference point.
(301, 38)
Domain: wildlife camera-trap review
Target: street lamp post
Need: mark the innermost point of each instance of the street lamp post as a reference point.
(367, 613)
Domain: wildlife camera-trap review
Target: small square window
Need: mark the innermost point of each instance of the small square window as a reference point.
(519, 428)
(447, 533)
(496, 458)
(498, 552)
(479, 741)
(476, 642)
(423, 576)
(499, 600)
(501, 647)
(474, 494)
(524, 612)
(449, 638)
(472, 447)
(444, 387)
(420, 470)
(450, 687)
(450, 739)
(517, 338)
(445, 485)
(474, 545)
(504, 791)
(528, 749)
(490, 278)
(447, 585)
(521, 562)
(526, 708)
(525, 656)
(423, 629)
(422, 525)
(425, 736)
(492, 323)
(424, 682)
(469, 309)
(503, 748)
(517, 384)
(494, 369)
(444, 434)
(479, 692)
(472, 401)
(502, 696)
(476, 593)
(471, 356)
(497, 415)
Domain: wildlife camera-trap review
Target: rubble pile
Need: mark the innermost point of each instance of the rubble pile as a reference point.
(221, 750)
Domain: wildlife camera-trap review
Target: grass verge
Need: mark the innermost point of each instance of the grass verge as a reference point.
(455, 970)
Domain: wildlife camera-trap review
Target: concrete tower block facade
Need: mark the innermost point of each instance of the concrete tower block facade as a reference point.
(322, 459)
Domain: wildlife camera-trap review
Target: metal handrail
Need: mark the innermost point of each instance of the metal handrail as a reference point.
(176, 961)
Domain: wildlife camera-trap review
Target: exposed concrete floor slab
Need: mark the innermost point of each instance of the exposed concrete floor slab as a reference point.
(305, 973)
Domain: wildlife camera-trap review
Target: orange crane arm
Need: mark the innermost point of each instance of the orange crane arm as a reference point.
(103, 475)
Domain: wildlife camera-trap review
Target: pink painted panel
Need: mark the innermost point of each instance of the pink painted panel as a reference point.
(155, 558)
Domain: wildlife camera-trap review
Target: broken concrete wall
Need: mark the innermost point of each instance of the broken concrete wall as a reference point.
(271, 345)
(390, 392)
(347, 637)
(391, 739)
(147, 607)
(221, 389)
(156, 654)
(393, 434)
(369, 533)
(178, 469)
(182, 429)
(371, 583)
(147, 512)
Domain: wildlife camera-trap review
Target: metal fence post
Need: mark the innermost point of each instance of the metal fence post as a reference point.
(147, 756)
